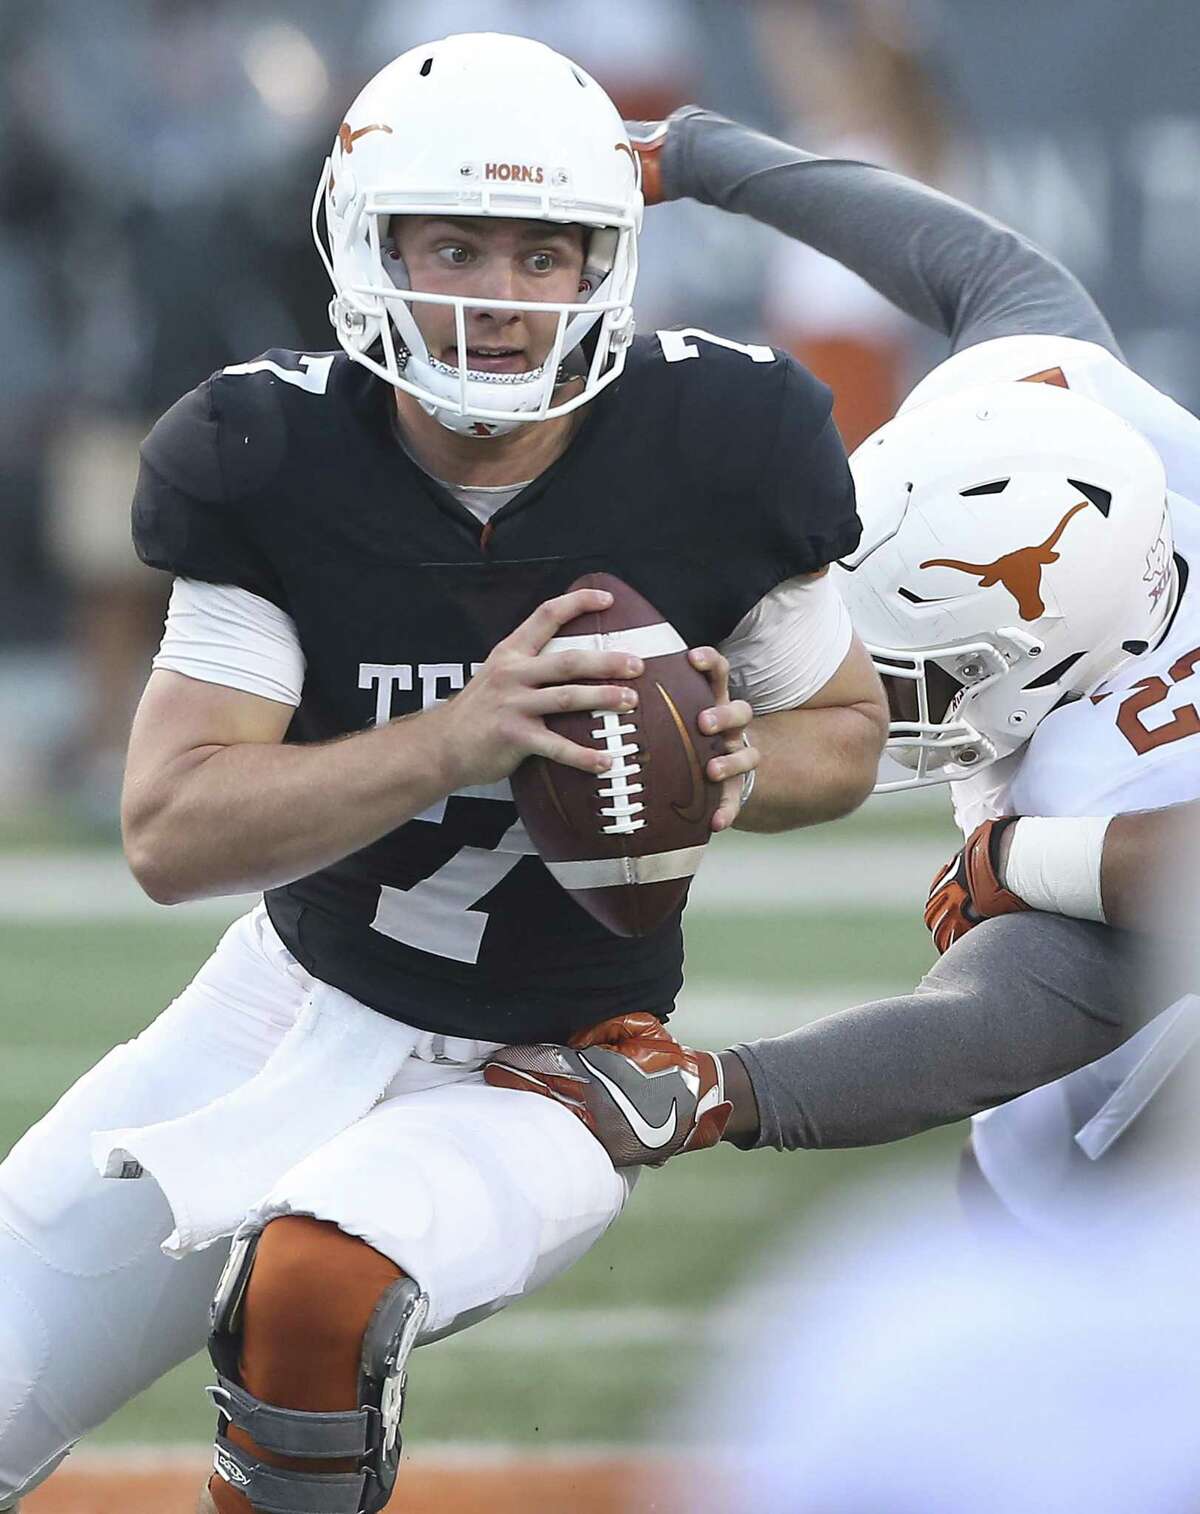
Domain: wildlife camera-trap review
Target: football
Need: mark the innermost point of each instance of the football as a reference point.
(626, 843)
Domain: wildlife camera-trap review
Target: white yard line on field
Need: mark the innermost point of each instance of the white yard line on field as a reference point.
(743, 875)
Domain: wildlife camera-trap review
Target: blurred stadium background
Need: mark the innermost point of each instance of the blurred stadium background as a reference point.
(157, 159)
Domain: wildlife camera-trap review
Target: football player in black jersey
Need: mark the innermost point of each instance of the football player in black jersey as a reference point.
(370, 550)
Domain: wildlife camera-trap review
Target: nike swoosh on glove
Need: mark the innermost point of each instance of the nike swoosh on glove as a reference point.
(968, 890)
(641, 1094)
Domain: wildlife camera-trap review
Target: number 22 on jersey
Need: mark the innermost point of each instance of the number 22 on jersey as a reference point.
(1153, 691)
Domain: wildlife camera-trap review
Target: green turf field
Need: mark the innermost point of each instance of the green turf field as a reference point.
(601, 1352)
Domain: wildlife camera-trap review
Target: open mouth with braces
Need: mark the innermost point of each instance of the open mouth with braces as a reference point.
(487, 375)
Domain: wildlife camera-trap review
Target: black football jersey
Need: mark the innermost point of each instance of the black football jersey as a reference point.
(701, 477)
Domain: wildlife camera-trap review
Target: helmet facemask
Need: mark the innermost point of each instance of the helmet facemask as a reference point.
(934, 699)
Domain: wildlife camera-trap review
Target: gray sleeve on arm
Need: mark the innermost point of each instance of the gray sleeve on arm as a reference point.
(944, 264)
(1017, 1002)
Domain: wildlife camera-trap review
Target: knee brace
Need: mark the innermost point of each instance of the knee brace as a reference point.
(368, 1435)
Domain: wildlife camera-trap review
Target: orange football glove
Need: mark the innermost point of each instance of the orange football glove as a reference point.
(647, 139)
(641, 1094)
(967, 889)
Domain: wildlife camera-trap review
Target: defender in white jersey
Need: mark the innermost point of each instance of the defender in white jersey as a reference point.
(1131, 745)
(1024, 599)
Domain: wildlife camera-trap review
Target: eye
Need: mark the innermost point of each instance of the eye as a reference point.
(455, 254)
(542, 262)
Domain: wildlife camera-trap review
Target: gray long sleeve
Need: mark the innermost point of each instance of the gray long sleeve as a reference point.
(1026, 998)
(946, 265)
(1017, 1002)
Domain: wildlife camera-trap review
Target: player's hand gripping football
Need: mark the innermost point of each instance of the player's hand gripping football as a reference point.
(730, 718)
(642, 1095)
(492, 725)
(968, 889)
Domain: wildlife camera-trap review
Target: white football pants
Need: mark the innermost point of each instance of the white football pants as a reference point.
(479, 1194)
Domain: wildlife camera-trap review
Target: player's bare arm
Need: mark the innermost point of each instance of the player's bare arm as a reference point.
(215, 803)
(818, 762)
(1141, 854)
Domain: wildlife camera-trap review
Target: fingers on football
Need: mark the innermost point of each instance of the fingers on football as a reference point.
(742, 759)
(715, 666)
(570, 667)
(568, 699)
(550, 617)
(732, 717)
(727, 811)
(556, 748)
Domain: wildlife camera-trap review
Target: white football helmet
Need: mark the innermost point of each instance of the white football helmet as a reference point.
(480, 125)
(1016, 550)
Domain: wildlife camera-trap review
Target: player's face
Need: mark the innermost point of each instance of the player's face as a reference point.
(496, 260)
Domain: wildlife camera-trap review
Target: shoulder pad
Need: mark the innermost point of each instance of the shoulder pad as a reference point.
(754, 427)
(207, 454)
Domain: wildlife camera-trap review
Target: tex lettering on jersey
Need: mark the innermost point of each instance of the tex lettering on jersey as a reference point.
(705, 476)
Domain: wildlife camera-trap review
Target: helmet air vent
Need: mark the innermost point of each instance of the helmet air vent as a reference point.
(579, 79)
(1054, 674)
(1134, 648)
(426, 68)
(998, 486)
(1101, 498)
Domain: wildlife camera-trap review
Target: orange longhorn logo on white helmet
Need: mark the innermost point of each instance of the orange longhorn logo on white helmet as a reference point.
(1020, 572)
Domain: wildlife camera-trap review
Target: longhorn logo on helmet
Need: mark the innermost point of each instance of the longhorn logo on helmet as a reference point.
(348, 138)
(1020, 572)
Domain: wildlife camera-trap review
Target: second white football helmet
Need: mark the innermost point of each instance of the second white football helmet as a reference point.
(480, 125)
(1016, 550)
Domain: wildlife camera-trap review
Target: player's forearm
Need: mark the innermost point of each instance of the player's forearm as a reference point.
(948, 266)
(1147, 870)
(814, 765)
(1132, 871)
(250, 816)
(1017, 1002)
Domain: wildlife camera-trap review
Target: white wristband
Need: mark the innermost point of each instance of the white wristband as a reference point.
(1054, 865)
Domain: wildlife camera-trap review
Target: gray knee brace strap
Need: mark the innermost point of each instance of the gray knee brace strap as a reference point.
(369, 1435)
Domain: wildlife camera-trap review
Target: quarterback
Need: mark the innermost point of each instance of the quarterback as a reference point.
(300, 1161)
(1026, 582)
